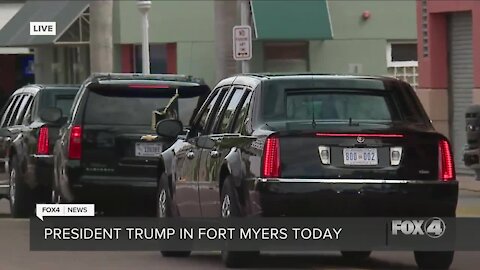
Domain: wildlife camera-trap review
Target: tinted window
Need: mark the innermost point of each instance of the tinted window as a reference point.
(22, 109)
(27, 119)
(212, 115)
(111, 106)
(229, 112)
(59, 98)
(336, 106)
(8, 110)
(239, 120)
(186, 107)
(16, 108)
(203, 118)
(203, 122)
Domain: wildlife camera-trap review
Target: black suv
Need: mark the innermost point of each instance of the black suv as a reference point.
(30, 121)
(108, 151)
(309, 145)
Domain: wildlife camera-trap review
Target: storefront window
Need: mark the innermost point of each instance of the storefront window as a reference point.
(402, 61)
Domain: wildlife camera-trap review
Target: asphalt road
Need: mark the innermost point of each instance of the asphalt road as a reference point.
(15, 254)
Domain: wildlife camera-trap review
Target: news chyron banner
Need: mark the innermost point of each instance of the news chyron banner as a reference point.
(76, 228)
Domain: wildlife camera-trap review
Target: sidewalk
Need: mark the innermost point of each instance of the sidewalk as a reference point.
(468, 182)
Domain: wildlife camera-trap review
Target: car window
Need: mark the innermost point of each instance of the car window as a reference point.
(10, 111)
(336, 106)
(132, 107)
(229, 112)
(186, 109)
(202, 122)
(240, 119)
(212, 115)
(61, 98)
(27, 119)
(22, 109)
(76, 103)
(6, 111)
(16, 110)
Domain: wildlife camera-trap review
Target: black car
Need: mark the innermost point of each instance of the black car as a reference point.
(30, 121)
(309, 146)
(108, 151)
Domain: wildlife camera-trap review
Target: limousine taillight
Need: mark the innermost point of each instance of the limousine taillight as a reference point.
(271, 157)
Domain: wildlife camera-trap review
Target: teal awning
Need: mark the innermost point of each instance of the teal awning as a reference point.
(291, 20)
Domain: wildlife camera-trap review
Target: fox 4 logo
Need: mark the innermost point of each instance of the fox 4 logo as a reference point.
(433, 227)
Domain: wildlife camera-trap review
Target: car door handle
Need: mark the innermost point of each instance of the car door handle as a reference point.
(190, 155)
(214, 154)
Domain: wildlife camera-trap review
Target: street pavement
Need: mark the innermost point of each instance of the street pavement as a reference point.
(15, 254)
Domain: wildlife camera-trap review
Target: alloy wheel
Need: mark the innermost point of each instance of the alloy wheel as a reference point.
(162, 204)
(13, 186)
(226, 206)
(55, 197)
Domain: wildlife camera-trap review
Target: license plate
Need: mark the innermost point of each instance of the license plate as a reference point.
(360, 156)
(148, 149)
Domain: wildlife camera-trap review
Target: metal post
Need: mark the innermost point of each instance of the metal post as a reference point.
(101, 40)
(245, 20)
(144, 7)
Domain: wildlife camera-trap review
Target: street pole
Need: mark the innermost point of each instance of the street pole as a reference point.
(226, 15)
(101, 40)
(245, 20)
(144, 7)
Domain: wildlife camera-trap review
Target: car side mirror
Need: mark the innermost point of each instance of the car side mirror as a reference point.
(169, 128)
(51, 115)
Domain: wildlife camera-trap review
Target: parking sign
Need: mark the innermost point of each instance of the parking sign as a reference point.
(242, 43)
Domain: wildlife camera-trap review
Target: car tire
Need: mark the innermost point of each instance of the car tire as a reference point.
(21, 204)
(434, 259)
(230, 207)
(356, 256)
(164, 210)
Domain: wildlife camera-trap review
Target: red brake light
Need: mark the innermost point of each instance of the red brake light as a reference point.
(379, 135)
(42, 142)
(271, 157)
(445, 161)
(75, 143)
(149, 86)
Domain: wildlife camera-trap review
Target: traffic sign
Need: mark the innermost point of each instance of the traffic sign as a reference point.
(242, 42)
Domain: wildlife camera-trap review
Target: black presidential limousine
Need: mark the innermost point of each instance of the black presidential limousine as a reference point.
(309, 145)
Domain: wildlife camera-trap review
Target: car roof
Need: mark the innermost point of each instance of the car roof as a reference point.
(35, 88)
(253, 79)
(139, 77)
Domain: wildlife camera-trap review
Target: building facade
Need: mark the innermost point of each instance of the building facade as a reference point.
(16, 64)
(367, 37)
(449, 64)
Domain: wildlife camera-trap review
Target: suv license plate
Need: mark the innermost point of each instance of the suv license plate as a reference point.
(148, 149)
(360, 156)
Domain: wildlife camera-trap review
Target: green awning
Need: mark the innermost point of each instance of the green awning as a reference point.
(291, 20)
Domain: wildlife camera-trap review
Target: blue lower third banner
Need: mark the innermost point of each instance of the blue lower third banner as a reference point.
(259, 234)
